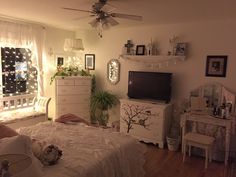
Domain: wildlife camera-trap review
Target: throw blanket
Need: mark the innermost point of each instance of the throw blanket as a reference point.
(90, 151)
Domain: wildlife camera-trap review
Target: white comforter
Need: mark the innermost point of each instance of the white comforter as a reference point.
(90, 151)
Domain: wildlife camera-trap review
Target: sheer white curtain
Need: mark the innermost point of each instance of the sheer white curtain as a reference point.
(14, 34)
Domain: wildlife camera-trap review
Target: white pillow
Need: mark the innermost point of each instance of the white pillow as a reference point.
(21, 144)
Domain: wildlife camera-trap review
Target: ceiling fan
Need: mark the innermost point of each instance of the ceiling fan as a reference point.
(104, 17)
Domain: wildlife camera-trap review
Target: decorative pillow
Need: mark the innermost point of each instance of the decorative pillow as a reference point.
(66, 118)
(6, 131)
(47, 154)
(21, 144)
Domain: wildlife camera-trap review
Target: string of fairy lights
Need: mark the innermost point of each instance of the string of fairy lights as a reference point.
(19, 76)
(73, 61)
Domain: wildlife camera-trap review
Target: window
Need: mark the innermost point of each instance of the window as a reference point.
(19, 77)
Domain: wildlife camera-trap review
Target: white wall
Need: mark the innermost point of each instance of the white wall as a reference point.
(55, 40)
(204, 38)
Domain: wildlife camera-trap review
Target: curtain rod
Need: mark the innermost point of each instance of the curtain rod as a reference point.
(20, 21)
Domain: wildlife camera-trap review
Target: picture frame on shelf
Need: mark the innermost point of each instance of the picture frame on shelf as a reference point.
(140, 50)
(180, 49)
(90, 61)
(216, 65)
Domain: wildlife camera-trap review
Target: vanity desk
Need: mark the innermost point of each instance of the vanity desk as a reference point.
(228, 124)
(202, 117)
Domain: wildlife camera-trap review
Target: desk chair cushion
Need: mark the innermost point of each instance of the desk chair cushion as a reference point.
(199, 138)
(201, 141)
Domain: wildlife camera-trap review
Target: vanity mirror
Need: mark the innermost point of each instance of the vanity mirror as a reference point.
(213, 114)
(113, 71)
(216, 96)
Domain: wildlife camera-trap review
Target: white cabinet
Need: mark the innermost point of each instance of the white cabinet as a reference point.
(73, 96)
(145, 120)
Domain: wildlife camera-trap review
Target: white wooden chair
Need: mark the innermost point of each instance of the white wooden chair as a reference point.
(201, 141)
(41, 105)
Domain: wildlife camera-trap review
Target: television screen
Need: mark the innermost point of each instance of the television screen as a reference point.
(149, 85)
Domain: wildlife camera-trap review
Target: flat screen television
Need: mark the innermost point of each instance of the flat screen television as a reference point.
(149, 85)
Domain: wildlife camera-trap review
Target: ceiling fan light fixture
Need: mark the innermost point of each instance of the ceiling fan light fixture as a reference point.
(73, 45)
(105, 17)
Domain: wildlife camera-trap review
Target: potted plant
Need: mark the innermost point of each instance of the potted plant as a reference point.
(69, 71)
(73, 71)
(101, 102)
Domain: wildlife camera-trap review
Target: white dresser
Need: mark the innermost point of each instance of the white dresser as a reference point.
(145, 120)
(73, 96)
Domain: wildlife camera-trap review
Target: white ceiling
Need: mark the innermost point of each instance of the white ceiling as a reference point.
(154, 12)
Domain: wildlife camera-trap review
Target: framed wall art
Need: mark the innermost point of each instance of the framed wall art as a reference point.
(180, 49)
(60, 60)
(216, 65)
(140, 50)
(90, 61)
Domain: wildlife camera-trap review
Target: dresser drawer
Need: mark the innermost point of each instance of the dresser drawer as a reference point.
(84, 81)
(72, 108)
(84, 99)
(73, 90)
(81, 110)
(140, 132)
(65, 82)
(85, 116)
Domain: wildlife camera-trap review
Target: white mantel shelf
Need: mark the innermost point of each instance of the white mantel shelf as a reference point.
(153, 58)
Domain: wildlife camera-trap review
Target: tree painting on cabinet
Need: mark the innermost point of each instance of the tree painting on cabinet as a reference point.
(136, 115)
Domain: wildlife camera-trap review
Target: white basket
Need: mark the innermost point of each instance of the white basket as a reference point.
(173, 143)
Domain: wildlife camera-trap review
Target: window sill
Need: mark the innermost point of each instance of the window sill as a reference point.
(17, 115)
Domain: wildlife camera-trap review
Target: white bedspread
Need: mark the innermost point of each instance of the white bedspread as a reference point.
(90, 151)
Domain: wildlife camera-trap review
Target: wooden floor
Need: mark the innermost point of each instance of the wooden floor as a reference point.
(164, 163)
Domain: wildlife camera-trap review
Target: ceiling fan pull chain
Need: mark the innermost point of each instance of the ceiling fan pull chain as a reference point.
(99, 29)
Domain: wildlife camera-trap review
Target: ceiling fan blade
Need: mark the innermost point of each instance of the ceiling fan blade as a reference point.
(84, 17)
(111, 21)
(80, 10)
(131, 17)
(98, 6)
(108, 8)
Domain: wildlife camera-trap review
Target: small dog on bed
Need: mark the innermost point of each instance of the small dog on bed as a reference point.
(47, 154)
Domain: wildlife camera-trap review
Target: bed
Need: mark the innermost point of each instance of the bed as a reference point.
(89, 151)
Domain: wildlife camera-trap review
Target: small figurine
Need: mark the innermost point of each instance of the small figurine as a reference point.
(4, 169)
(150, 48)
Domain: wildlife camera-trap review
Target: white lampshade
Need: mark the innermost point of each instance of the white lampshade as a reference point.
(73, 44)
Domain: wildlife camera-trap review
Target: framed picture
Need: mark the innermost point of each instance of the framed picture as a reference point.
(216, 65)
(90, 61)
(140, 50)
(60, 60)
(180, 49)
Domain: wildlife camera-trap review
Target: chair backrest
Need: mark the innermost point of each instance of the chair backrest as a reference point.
(41, 105)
